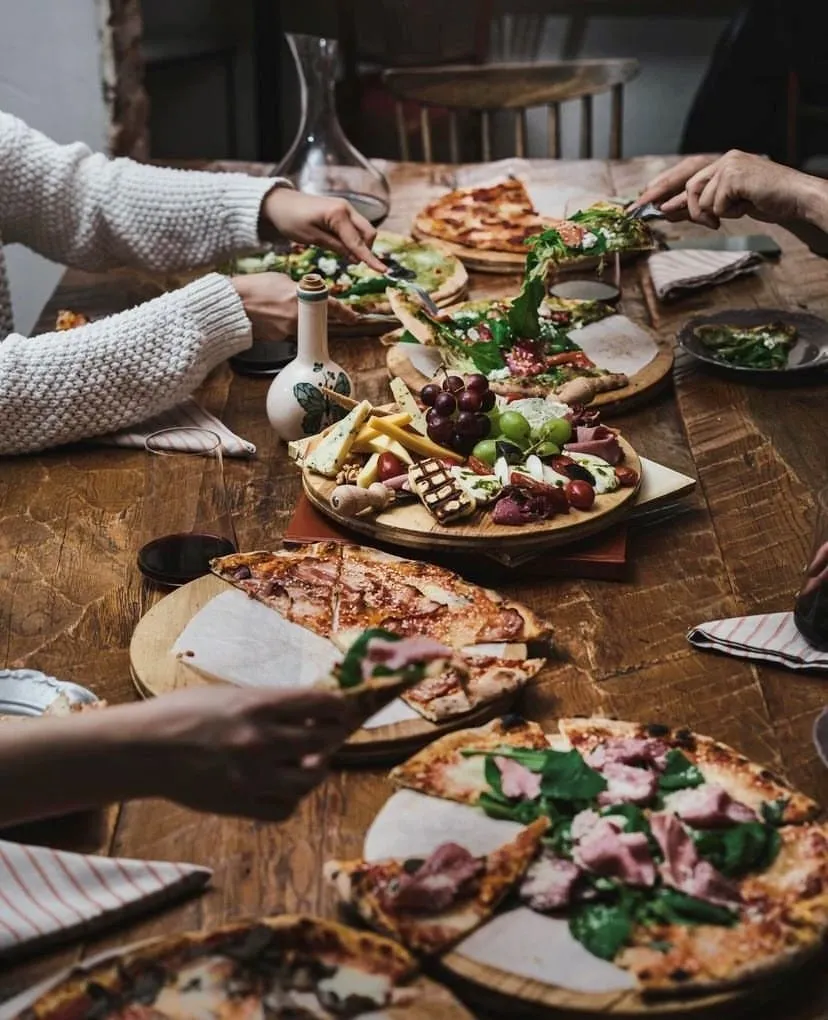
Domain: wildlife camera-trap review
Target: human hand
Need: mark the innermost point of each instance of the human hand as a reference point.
(817, 572)
(243, 751)
(671, 182)
(271, 304)
(742, 184)
(316, 219)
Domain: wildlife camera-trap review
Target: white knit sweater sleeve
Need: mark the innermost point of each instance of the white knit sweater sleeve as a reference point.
(91, 212)
(60, 387)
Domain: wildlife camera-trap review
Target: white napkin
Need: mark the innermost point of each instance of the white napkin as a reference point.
(772, 636)
(188, 415)
(51, 894)
(673, 272)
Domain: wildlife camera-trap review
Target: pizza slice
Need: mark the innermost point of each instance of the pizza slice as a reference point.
(430, 904)
(299, 584)
(379, 666)
(571, 313)
(445, 769)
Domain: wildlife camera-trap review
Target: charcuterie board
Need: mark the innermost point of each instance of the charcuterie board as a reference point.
(156, 668)
(410, 525)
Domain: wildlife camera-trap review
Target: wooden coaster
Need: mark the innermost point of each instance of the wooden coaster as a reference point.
(155, 670)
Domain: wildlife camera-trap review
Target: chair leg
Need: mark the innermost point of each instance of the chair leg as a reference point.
(402, 133)
(616, 122)
(454, 142)
(486, 135)
(553, 142)
(520, 133)
(586, 127)
(425, 131)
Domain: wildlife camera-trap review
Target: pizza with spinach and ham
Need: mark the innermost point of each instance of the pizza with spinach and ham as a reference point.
(669, 853)
(342, 592)
(536, 358)
(356, 284)
(287, 968)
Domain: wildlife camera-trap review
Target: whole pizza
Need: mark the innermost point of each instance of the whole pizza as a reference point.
(356, 284)
(287, 968)
(670, 855)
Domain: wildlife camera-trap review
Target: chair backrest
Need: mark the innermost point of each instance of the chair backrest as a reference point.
(517, 87)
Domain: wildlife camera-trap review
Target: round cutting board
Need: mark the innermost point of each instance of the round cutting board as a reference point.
(156, 670)
(410, 525)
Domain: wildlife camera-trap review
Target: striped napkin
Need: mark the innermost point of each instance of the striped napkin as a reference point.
(188, 415)
(772, 636)
(49, 895)
(674, 272)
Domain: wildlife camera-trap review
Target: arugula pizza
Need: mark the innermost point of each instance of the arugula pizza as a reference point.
(520, 353)
(669, 853)
(287, 968)
(356, 284)
(342, 591)
(766, 346)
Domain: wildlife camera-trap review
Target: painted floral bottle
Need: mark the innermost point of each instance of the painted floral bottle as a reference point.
(296, 405)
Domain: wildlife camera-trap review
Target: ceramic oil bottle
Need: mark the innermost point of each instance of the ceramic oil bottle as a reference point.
(296, 405)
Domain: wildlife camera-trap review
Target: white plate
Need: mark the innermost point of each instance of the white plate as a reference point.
(28, 692)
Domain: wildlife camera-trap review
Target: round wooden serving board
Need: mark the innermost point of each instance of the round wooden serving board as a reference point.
(155, 670)
(641, 386)
(409, 524)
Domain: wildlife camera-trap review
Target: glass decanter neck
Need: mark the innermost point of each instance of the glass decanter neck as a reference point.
(317, 62)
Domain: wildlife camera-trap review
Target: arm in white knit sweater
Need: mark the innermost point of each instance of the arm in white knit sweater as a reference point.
(60, 387)
(88, 211)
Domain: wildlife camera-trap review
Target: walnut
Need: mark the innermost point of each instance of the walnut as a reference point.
(349, 474)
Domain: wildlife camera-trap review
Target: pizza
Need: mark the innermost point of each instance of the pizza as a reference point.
(289, 967)
(766, 346)
(430, 904)
(502, 218)
(359, 286)
(339, 591)
(492, 338)
(670, 854)
(496, 218)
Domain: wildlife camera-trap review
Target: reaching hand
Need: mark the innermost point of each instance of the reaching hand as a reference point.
(270, 302)
(329, 222)
(737, 184)
(245, 752)
(671, 182)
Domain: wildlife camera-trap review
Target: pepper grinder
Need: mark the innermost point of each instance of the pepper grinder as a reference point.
(296, 405)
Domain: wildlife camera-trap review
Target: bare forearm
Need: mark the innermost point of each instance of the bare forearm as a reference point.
(813, 203)
(55, 766)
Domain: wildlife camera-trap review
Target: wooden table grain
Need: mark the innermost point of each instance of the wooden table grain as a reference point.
(70, 592)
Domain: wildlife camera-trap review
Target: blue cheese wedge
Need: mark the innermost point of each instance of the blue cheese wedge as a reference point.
(328, 456)
(406, 402)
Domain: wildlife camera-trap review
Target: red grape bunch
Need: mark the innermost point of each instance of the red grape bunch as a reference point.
(457, 411)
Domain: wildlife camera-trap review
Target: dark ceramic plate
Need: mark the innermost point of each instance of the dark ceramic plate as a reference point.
(810, 352)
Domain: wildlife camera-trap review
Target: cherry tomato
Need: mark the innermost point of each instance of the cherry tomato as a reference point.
(626, 476)
(389, 465)
(581, 495)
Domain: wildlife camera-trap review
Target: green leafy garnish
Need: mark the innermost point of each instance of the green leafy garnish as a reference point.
(529, 757)
(773, 811)
(567, 776)
(748, 846)
(349, 673)
(679, 773)
(669, 906)
(407, 337)
(602, 928)
(369, 285)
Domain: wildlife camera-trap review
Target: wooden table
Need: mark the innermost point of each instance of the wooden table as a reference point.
(70, 593)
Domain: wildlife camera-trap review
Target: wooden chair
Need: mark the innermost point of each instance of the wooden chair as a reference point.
(507, 86)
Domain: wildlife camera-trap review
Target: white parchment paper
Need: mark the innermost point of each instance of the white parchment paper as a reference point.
(243, 642)
(521, 942)
(617, 344)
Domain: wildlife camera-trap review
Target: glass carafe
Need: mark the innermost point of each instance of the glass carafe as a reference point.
(321, 160)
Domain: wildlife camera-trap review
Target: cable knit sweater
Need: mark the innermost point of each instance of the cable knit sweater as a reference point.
(94, 213)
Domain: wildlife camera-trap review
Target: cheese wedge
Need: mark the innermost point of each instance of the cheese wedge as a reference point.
(368, 474)
(369, 432)
(406, 402)
(416, 443)
(382, 444)
(332, 450)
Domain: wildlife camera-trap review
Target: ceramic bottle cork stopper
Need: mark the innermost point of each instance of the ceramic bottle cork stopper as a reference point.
(296, 406)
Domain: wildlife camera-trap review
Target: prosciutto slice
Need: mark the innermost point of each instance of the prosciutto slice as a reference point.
(396, 655)
(627, 784)
(550, 883)
(709, 806)
(684, 869)
(629, 751)
(607, 850)
(599, 441)
(436, 884)
(516, 780)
